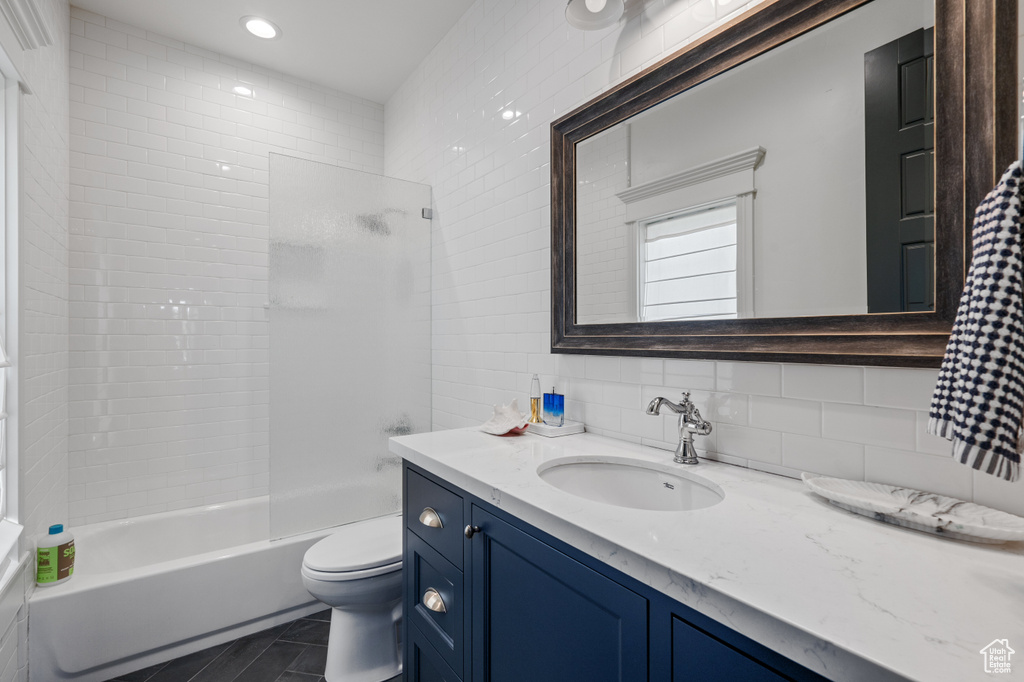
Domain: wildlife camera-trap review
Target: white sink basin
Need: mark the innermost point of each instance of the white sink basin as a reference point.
(628, 483)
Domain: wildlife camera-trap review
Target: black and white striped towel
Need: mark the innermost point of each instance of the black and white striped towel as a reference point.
(980, 393)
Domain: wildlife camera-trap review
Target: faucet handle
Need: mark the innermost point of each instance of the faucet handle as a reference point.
(686, 398)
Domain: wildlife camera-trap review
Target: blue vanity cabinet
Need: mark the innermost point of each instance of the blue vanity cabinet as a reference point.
(422, 662)
(523, 606)
(539, 615)
(700, 657)
(433, 583)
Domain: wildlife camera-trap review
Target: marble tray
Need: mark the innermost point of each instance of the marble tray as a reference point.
(928, 512)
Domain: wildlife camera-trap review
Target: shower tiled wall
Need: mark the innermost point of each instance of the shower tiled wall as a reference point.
(43, 260)
(168, 261)
(491, 294)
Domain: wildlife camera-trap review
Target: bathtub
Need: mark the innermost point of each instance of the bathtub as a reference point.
(156, 587)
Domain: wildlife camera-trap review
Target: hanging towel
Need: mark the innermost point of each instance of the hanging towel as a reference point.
(980, 392)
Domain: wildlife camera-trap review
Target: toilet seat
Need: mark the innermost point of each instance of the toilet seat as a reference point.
(358, 550)
(341, 576)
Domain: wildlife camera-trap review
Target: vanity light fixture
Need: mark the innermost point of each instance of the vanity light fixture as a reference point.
(592, 15)
(260, 27)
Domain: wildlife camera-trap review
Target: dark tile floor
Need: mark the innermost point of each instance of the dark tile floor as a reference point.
(292, 652)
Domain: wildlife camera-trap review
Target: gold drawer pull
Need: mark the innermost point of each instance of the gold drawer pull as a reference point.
(432, 600)
(429, 517)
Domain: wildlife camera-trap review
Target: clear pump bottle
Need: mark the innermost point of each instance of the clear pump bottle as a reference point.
(535, 398)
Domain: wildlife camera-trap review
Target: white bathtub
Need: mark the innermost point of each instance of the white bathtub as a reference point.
(149, 589)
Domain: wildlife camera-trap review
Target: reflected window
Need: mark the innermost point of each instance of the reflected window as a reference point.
(687, 268)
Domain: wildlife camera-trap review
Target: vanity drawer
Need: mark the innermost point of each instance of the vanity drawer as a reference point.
(430, 574)
(423, 494)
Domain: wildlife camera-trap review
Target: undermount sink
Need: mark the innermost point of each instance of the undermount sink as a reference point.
(628, 483)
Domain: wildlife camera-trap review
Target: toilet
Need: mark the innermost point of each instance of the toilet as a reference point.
(357, 571)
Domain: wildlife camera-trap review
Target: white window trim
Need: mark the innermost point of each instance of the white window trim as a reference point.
(730, 177)
(12, 557)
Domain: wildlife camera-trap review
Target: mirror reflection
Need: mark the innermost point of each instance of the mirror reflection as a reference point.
(799, 183)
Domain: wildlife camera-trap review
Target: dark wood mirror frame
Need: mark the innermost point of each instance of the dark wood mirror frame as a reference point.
(976, 139)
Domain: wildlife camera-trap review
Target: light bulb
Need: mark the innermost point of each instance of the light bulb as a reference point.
(596, 6)
(261, 28)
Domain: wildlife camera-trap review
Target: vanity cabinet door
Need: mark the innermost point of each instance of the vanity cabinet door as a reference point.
(539, 615)
(700, 657)
(422, 662)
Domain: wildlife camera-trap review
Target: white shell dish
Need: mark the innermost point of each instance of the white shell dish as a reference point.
(928, 512)
(506, 419)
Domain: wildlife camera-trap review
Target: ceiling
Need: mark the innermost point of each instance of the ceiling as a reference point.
(365, 48)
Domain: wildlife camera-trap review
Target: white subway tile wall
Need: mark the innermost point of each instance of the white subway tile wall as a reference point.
(43, 263)
(9, 653)
(491, 293)
(42, 361)
(168, 261)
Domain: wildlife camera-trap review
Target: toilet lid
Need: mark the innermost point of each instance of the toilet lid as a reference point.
(358, 546)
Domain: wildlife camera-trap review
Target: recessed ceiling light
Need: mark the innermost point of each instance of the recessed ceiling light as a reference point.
(591, 15)
(260, 27)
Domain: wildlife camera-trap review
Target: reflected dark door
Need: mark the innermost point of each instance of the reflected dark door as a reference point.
(899, 148)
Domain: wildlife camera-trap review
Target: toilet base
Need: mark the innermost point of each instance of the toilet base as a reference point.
(364, 643)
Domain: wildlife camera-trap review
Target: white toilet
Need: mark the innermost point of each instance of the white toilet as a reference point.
(357, 570)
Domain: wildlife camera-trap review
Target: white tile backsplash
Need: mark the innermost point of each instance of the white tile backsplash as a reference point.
(926, 442)
(870, 425)
(915, 470)
(825, 383)
(906, 388)
(750, 377)
(829, 457)
(786, 415)
(749, 443)
(690, 375)
(998, 494)
(642, 370)
(729, 408)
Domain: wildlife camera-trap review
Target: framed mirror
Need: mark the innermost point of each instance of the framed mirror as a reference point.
(797, 186)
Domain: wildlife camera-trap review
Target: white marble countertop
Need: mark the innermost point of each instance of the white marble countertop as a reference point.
(842, 594)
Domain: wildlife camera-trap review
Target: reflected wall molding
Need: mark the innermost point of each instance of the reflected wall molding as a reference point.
(27, 23)
(748, 159)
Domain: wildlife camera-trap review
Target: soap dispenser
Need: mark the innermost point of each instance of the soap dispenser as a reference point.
(535, 398)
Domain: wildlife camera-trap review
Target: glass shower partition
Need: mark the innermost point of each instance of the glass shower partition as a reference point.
(349, 340)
